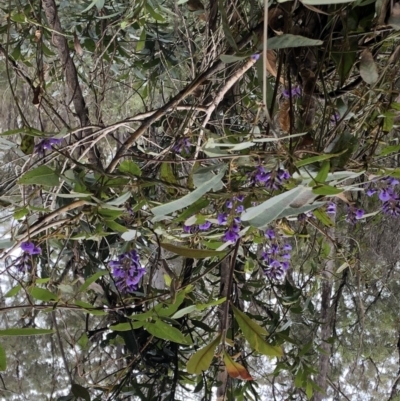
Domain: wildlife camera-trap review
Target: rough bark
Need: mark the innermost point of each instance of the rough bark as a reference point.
(71, 75)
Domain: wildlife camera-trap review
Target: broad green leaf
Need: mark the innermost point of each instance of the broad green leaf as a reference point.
(189, 199)
(19, 213)
(192, 210)
(92, 279)
(262, 215)
(235, 369)
(255, 334)
(42, 294)
(6, 243)
(42, 175)
(14, 291)
(120, 200)
(3, 360)
(326, 190)
(130, 167)
(80, 392)
(212, 303)
(90, 6)
(25, 332)
(126, 326)
(288, 40)
(295, 211)
(184, 311)
(387, 150)
(154, 14)
(309, 390)
(201, 360)
(116, 227)
(163, 330)
(192, 253)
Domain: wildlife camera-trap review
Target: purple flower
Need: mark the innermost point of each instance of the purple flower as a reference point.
(270, 233)
(30, 248)
(231, 235)
(255, 56)
(371, 192)
(331, 208)
(335, 117)
(273, 180)
(287, 247)
(127, 271)
(385, 194)
(229, 204)
(239, 209)
(392, 206)
(295, 92)
(275, 270)
(222, 219)
(205, 226)
(46, 143)
(354, 214)
(182, 144)
(240, 198)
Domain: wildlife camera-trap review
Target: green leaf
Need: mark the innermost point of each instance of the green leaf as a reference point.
(25, 332)
(387, 150)
(228, 58)
(184, 311)
(323, 172)
(309, 390)
(212, 303)
(80, 392)
(27, 144)
(19, 213)
(323, 218)
(116, 227)
(14, 291)
(154, 14)
(42, 175)
(141, 42)
(255, 334)
(3, 360)
(189, 199)
(41, 294)
(130, 167)
(288, 40)
(326, 190)
(163, 330)
(126, 326)
(192, 253)
(201, 360)
(260, 216)
(315, 159)
(92, 279)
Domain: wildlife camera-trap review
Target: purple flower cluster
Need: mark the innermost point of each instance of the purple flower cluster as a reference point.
(127, 271)
(231, 219)
(276, 257)
(331, 208)
(387, 195)
(182, 144)
(273, 180)
(23, 262)
(46, 144)
(195, 228)
(295, 92)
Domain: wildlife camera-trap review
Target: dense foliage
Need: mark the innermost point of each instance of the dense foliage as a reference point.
(196, 205)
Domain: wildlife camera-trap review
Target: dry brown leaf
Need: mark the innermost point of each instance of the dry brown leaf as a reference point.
(368, 68)
(284, 116)
(77, 45)
(38, 35)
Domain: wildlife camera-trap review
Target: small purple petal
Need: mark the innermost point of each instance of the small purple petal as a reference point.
(222, 219)
(205, 226)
